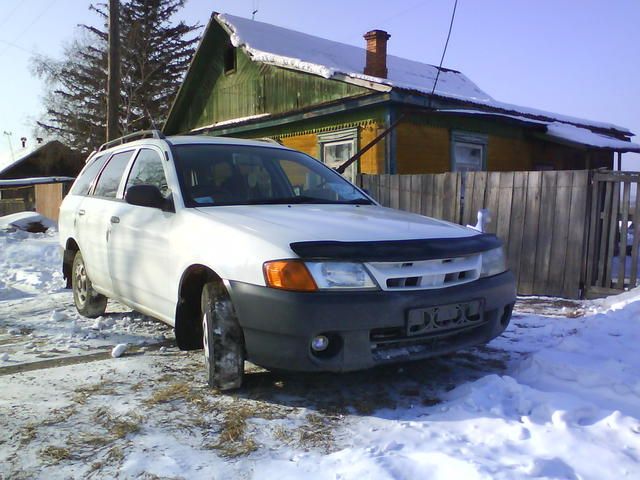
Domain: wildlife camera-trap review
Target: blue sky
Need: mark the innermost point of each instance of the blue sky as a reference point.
(577, 57)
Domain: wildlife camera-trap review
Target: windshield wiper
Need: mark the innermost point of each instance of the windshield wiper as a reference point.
(300, 199)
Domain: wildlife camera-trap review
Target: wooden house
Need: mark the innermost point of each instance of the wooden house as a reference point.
(251, 79)
(39, 179)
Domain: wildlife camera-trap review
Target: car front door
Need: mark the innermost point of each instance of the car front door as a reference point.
(139, 246)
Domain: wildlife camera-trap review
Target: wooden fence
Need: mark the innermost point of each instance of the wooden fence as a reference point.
(14, 205)
(540, 216)
(614, 233)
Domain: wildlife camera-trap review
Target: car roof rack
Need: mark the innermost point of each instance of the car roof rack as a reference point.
(131, 137)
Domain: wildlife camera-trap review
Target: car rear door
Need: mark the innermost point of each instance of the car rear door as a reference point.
(139, 245)
(96, 216)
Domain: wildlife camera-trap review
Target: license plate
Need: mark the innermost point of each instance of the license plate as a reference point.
(441, 318)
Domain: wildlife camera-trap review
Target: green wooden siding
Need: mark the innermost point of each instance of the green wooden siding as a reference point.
(209, 95)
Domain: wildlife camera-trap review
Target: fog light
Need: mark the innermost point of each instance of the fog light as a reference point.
(319, 343)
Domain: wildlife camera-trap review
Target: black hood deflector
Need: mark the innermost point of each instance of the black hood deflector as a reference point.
(396, 250)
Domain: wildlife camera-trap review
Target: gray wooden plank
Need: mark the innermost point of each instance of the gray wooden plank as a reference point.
(503, 215)
(530, 233)
(516, 228)
(394, 191)
(622, 248)
(469, 183)
(384, 190)
(427, 196)
(602, 250)
(450, 197)
(633, 277)
(416, 193)
(594, 234)
(613, 229)
(545, 232)
(559, 243)
(479, 192)
(438, 195)
(576, 244)
(491, 199)
(404, 193)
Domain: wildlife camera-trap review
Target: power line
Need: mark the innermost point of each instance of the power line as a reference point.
(13, 10)
(444, 51)
(33, 22)
(24, 49)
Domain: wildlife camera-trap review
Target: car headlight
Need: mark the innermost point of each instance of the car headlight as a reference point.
(493, 262)
(340, 275)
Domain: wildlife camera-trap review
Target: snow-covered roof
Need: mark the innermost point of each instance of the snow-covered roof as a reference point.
(22, 182)
(584, 136)
(299, 51)
(23, 155)
(563, 132)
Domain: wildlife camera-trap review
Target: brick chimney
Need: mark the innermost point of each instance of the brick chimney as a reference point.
(376, 53)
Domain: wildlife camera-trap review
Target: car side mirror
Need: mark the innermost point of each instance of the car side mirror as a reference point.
(145, 196)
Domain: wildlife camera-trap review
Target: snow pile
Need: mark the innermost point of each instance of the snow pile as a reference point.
(570, 410)
(29, 262)
(27, 221)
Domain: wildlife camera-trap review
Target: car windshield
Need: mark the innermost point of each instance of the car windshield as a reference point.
(213, 175)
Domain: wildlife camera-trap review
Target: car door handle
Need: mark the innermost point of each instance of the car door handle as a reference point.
(81, 212)
(115, 219)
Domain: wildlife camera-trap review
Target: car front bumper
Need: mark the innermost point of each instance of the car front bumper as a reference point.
(365, 328)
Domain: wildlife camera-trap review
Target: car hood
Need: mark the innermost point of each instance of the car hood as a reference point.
(347, 223)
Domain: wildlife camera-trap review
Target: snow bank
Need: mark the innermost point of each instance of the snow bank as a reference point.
(27, 221)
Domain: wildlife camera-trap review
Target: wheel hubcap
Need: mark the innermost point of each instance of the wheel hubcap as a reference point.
(205, 336)
(81, 283)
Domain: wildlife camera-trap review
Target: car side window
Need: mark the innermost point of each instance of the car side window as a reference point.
(109, 180)
(147, 170)
(83, 183)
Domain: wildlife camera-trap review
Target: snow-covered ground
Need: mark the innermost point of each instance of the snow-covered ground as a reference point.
(557, 396)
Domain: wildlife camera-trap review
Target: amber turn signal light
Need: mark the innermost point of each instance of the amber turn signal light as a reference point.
(289, 275)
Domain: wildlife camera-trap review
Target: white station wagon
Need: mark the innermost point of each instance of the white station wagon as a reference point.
(256, 251)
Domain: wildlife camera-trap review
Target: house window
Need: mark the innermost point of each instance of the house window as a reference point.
(229, 59)
(468, 152)
(338, 147)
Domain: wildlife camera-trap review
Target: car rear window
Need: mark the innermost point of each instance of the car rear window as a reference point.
(82, 185)
(109, 180)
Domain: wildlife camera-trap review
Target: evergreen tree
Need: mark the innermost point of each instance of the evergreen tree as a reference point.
(155, 54)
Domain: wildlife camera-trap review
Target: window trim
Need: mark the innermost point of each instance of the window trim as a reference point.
(230, 50)
(474, 138)
(127, 168)
(339, 137)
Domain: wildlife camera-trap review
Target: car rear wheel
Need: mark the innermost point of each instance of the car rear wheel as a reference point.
(222, 338)
(88, 302)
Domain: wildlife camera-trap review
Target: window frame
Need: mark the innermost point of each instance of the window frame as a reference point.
(125, 174)
(460, 137)
(227, 53)
(132, 164)
(340, 137)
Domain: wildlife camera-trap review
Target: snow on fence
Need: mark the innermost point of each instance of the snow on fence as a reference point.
(540, 216)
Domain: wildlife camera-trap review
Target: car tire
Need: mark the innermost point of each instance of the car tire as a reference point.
(89, 303)
(223, 340)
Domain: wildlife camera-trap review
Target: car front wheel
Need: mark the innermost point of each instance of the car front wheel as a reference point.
(88, 302)
(222, 338)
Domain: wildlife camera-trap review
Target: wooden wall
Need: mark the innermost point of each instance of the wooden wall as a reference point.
(422, 148)
(48, 199)
(372, 162)
(506, 154)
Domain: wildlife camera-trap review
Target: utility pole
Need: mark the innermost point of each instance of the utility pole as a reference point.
(113, 82)
(8, 134)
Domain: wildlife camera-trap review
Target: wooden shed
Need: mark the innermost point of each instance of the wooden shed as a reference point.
(251, 79)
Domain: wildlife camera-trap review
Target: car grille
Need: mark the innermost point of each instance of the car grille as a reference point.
(426, 274)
